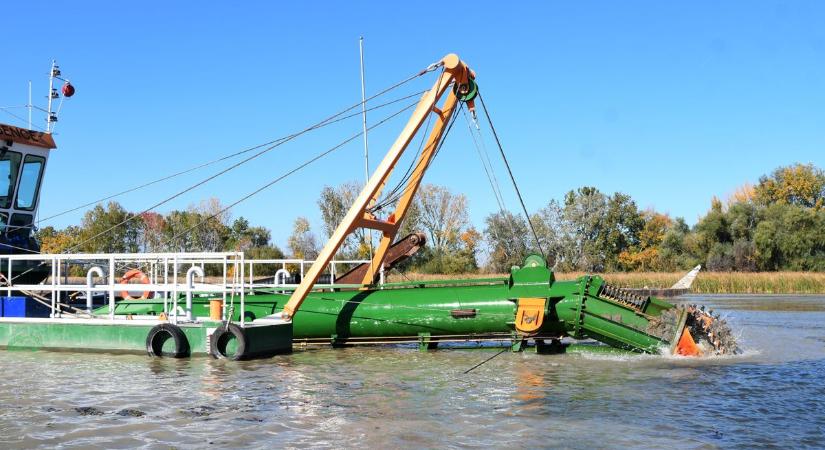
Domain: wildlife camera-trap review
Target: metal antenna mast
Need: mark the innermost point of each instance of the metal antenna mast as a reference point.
(29, 105)
(364, 125)
(50, 116)
(364, 113)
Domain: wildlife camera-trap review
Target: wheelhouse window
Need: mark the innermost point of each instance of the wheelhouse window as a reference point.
(9, 168)
(29, 182)
(21, 225)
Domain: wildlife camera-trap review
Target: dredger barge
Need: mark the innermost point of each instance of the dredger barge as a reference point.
(180, 315)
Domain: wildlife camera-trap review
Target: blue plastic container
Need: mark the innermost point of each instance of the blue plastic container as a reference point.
(23, 307)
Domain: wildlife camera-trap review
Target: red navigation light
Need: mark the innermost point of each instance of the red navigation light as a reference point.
(68, 89)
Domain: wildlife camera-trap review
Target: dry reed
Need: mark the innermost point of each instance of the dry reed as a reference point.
(706, 282)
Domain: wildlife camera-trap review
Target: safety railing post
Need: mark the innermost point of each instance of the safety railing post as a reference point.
(174, 313)
(94, 270)
(166, 286)
(190, 285)
(243, 292)
(251, 272)
(223, 295)
(56, 295)
(111, 287)
(9, 278)
(53, 281)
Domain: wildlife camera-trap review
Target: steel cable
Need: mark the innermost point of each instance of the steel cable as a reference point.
(512, 177)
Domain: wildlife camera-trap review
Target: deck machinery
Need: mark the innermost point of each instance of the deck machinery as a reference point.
(528, 307)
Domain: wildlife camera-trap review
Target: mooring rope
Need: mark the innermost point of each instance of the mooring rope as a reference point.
(485, 361)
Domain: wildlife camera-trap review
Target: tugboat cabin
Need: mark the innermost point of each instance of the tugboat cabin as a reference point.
(23, 156)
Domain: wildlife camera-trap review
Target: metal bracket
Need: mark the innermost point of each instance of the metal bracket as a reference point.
(425, 342)
(584, 287)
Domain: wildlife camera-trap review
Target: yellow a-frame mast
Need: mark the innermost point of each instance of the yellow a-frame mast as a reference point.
(455, 73)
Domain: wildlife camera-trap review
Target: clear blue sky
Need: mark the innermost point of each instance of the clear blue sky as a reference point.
(671, 103)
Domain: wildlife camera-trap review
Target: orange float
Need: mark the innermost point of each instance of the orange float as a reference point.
(141, 277)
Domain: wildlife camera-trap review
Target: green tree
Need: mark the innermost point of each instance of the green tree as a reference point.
(678, 250)
(201, 228)
(302, 242)
(109, 229)
(334, 203)
(713, 228)
(585, 212)
(552, 233)
(798, 184)
(790, 237)
(243, 237)
(53, 240)
(621, 229)
(644, 253)
(444, 217)
(505, 234)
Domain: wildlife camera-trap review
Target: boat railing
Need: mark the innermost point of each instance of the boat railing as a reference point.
(75, 281)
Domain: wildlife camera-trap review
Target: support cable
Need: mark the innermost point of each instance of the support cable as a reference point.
(512, 178)
(329, 121)
(404, 178)
(430, 68)
(391, 200)
(6, 110)
(281, 177)
(414, 165)
(494, 185)
(488, 171)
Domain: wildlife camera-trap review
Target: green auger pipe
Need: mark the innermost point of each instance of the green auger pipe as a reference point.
(528, 305)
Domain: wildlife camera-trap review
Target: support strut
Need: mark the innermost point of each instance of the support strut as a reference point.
(454, 72)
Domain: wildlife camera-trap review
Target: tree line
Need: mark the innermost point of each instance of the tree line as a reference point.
(777, 224)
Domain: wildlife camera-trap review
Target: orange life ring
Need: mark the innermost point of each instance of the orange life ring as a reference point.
(135, 273)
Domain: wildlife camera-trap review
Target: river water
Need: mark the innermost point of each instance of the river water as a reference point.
(771, 396)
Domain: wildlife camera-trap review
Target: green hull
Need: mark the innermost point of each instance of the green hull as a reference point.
(127, 336)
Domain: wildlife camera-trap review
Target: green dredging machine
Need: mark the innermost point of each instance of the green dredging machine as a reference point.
(530, 308)
(527, 308)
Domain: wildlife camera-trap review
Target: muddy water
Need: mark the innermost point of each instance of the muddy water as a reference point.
(773, 395)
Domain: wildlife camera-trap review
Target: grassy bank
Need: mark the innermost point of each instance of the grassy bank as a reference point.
(706, 282)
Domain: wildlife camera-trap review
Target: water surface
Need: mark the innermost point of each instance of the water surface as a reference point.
(771, 396)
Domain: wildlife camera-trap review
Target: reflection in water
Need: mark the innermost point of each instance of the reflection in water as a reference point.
(399, 397)
(530, 386)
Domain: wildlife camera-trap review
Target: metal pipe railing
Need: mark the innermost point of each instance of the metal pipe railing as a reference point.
(190, 283)
(94, 270)
(163, 272)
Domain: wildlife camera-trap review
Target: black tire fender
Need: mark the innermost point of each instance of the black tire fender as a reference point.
(158, 336)
(220, 338)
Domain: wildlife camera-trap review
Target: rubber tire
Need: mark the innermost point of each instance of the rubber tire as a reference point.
(220, 338)
(159, 334)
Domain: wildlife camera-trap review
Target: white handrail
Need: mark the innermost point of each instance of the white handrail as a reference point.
(190, 284)
(163, 270)
(94, 270)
